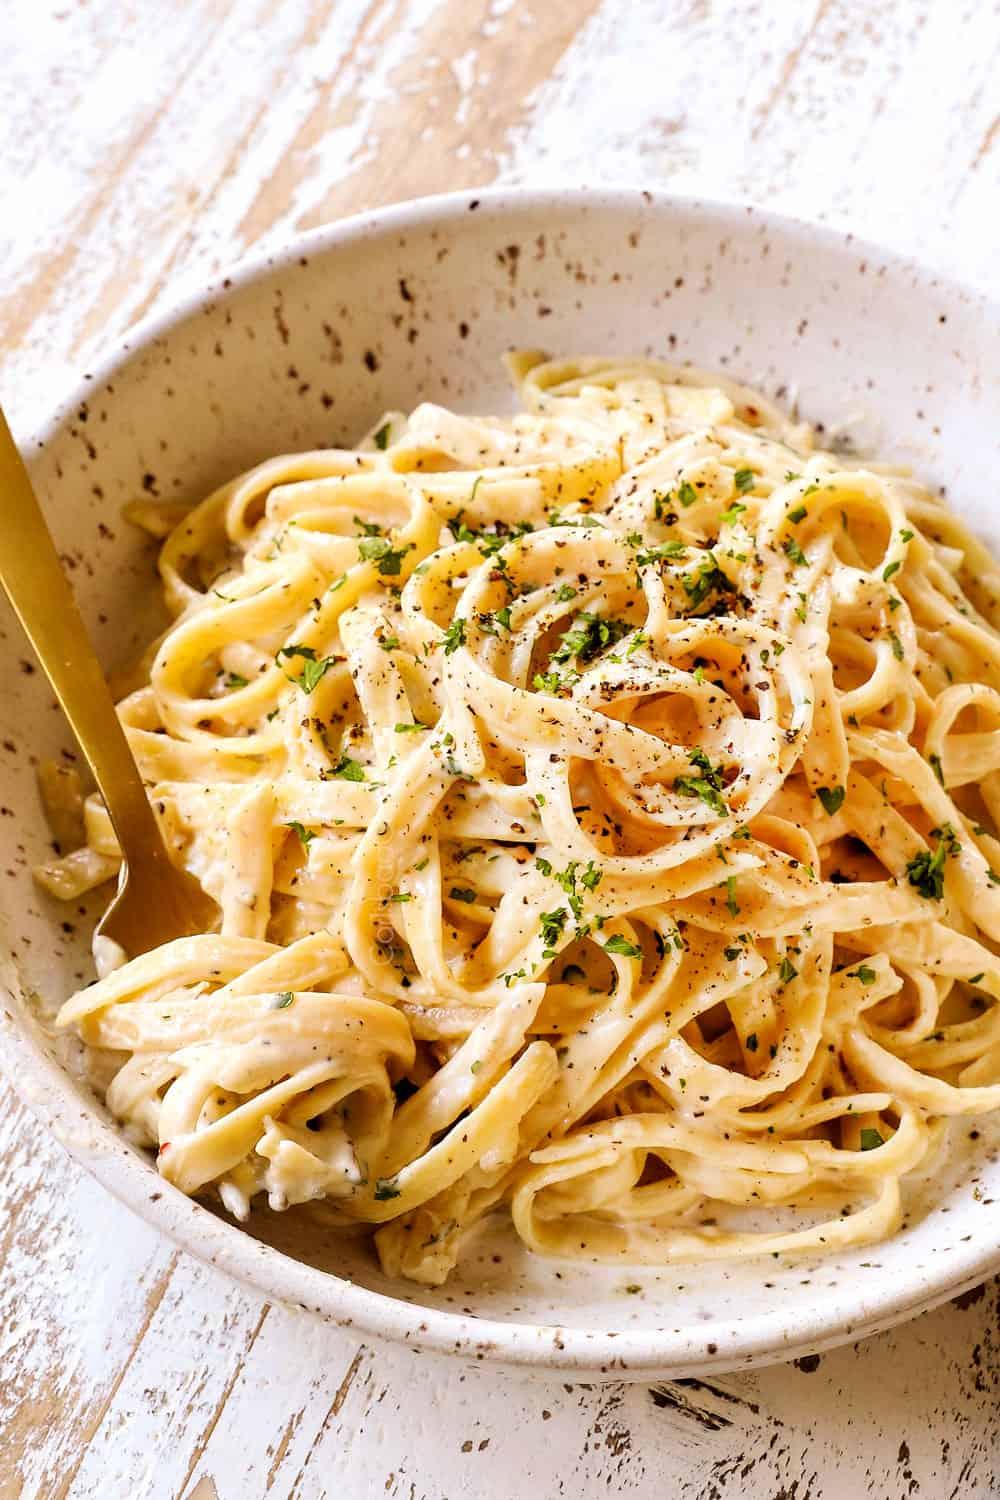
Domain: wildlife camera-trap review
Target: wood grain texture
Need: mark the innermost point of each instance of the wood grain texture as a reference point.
(146, 146)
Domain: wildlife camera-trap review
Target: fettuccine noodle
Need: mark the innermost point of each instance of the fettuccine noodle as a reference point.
(600, 806)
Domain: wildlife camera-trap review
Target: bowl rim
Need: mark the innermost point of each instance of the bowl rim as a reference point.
(59, 1102)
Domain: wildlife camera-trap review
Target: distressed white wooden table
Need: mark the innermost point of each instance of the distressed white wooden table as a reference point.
(143, 146)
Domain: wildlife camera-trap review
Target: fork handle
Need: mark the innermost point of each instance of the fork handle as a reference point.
(33, 577)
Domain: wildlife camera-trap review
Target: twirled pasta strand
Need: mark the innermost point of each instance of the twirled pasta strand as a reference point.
(601, 805)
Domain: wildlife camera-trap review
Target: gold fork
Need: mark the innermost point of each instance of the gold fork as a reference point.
(155, 900)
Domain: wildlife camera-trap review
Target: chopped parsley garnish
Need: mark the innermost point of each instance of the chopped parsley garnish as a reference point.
(234, 680)
(389, 642)
(282, 1001)
(731, 903)
(379, 549)
(459, 530)
(618, 944)
(314, 668)
(382, 436)
(832, 798)
(925, 871)
(864, 973)
(787, 971)
(889, 569)
(551, 924)
(906, 536)
(462, 893)
(871, 1139)
(489, 622)
(729, 516)
(896, 644)
(454, 636)
(587, 637)
(590, 879)
(659, 553)
(565, 593)
(707, 785)
(400, 896)
(411, 728)
(934, 761)
(554, 682)
(744, 480)
(348, 769)
(709, 579)
(795, 553)
(686, 494)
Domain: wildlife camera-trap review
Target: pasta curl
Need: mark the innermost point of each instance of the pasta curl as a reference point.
(602, 809)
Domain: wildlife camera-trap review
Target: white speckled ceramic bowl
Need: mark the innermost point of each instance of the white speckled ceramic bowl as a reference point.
(305, 348)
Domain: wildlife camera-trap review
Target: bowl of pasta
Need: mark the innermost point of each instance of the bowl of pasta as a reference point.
(557, 630)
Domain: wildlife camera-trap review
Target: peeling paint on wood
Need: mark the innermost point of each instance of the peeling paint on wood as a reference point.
(146, 146)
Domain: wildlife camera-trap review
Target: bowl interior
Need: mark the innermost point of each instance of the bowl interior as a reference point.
(418, 304)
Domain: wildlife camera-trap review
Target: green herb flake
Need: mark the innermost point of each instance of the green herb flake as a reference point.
(708, 580)
(925, 871)
(787, 971)
(282, 1001)
(707, 785)
(664, 551)
(798, 514)
(863, 972)
(587, 637)
(386, 1187)
(832, 798)
(871, 1139)
(454, 636)
(618, 944)
(731, 902)
(314, 668)
(348, 769)
(379, 549)
(744, 481)
(382, 436)
(795, 553)
(551, 924)
(889, 569)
